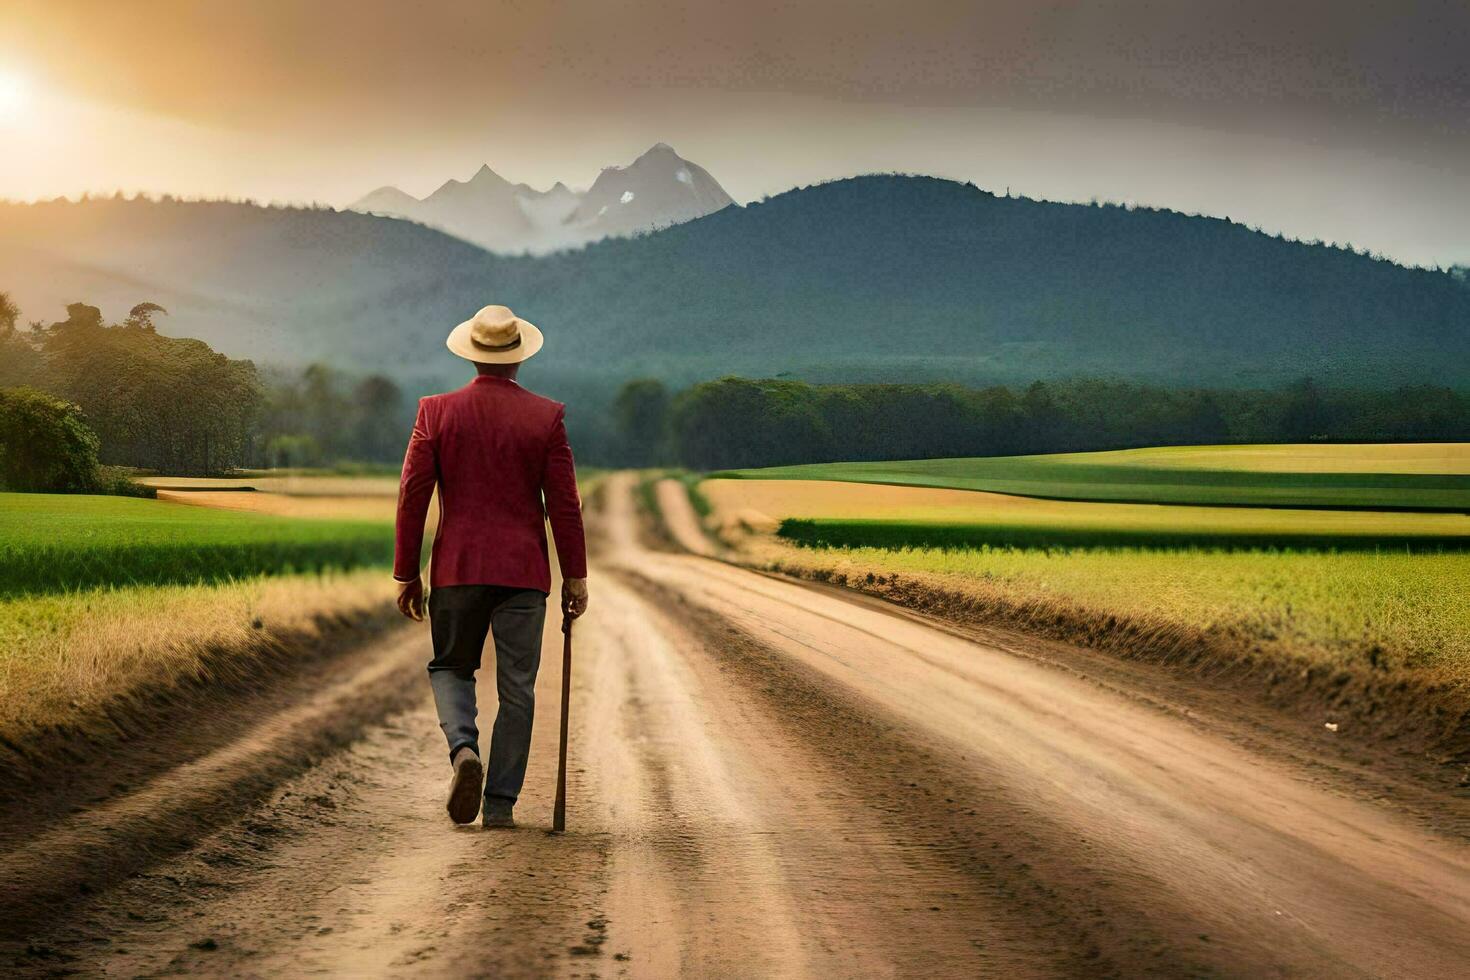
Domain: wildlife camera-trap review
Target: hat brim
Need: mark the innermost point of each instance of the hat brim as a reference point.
(460, 343)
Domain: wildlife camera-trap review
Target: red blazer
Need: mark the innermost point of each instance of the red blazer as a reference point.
(494, 449)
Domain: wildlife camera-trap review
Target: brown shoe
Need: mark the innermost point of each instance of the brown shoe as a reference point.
(465, 786)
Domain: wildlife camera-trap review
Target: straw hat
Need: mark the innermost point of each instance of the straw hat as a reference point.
(495, 335)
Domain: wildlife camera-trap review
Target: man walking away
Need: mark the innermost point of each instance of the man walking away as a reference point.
(496, 452)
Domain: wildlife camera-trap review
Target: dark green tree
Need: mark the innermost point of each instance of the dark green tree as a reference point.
(640, 413)
(141, 316)
(324, 409)
(1042, 419)
(738, 422)
(1304, 415)
(378, 431)
(1205, 421)
(9, 314)
(45, 444)
(20, 363)
(163, 403)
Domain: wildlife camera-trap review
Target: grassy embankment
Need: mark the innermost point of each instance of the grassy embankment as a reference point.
(106, 601)
(1382, 592)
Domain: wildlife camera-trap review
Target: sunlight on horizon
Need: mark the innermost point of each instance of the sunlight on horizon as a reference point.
(15, 95)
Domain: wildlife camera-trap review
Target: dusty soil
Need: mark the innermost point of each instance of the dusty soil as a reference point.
(769, 779)
(108, 804)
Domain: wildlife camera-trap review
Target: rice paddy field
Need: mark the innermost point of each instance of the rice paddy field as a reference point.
(1212, 531)
(57, 543)
(102, 596)
(833, 513)
(1413, 477)
(1375, 588)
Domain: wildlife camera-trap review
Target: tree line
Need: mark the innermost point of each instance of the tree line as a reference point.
(168, 404)
(79, 392)
(175, 406)
(320, 416)
(739, 422)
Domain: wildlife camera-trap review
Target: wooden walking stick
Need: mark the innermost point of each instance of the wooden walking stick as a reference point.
(559, 813)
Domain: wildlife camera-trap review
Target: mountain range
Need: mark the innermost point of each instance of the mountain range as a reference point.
(657, 190)
(864, 279)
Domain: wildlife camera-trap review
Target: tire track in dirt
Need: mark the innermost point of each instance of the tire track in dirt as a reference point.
(80, 852)
(353, 869)
(1010, 886)
(869, 895)
(679, 519)
(665, 794)
(785, 857)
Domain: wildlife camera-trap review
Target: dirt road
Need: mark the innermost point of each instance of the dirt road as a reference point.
(775, 780)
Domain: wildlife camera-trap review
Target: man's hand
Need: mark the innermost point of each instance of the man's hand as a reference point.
(574, 597)
(411, 599)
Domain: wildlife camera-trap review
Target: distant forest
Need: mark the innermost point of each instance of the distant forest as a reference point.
(126, 395)
(175, 406)
(738, 422)
(161, 403)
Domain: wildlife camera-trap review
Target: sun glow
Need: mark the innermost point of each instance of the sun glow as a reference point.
(15, 95)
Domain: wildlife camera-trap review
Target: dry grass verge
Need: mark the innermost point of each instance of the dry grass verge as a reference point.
(85, 670)
(1375, 696)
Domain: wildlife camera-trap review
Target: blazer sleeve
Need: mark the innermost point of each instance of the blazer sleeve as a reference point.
(415, 490)
(563, 503)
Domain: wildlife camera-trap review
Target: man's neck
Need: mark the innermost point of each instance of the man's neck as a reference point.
(506, 371)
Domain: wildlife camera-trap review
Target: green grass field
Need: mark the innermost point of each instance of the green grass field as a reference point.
(1346, 577)
(1190, 533)
(58, 543)
(103, 595)
(1368, 477)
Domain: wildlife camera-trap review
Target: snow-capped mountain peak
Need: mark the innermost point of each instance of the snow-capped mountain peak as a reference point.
(658, 189)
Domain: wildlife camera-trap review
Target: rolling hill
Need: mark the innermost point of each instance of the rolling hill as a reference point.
(283, 286)
(871, 278)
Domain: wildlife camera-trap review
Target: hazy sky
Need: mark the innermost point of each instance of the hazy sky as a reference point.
(1345, 120)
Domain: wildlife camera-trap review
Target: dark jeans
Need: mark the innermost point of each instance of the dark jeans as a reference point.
(460, 616)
